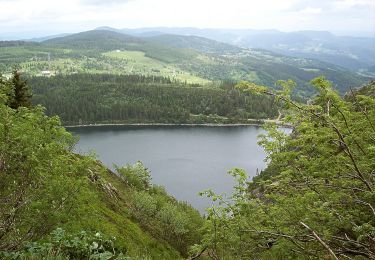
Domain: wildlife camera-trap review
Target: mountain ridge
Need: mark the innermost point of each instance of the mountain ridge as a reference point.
(185, 57)
(351, 52)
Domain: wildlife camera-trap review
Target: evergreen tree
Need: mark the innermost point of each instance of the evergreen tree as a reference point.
(22, 95)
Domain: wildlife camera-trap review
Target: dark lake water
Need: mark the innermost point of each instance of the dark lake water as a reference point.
(185, 160)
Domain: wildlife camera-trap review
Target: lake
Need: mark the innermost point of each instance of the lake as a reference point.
(183, 159)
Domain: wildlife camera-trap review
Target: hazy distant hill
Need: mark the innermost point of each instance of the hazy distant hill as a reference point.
(193, 42)
(45, 38)
(350, 52)
(16, 43)
(101, 39)
(109, 38)
(104, 40)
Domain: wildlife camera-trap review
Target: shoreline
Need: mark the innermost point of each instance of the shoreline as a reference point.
(254, 123)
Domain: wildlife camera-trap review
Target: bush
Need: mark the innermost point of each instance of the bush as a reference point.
(163, 216)
(144, 206)
(136, 175)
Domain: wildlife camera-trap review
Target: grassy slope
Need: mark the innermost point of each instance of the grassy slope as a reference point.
(136, 62)
(45, 185)
(99, 208)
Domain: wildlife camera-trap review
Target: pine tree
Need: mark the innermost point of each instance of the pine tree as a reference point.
(22, 95)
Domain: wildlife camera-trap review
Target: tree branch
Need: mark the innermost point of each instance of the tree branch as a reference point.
(320, 240)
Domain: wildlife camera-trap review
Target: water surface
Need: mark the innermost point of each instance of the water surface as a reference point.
(184, 159)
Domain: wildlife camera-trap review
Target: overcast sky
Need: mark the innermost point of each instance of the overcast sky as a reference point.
(27, 18)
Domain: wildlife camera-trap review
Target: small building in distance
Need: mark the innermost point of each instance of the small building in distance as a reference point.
(46, 73)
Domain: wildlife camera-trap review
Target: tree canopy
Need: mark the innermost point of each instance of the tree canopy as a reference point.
(316, 199)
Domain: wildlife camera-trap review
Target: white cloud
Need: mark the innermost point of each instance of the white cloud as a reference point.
(76, 15)
(106, 2)
(354, 3)
(311, 10)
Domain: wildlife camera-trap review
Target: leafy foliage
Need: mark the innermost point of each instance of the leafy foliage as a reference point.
(317, 199)
(61, 245)
(136, 175)
(175, 222)
(39, 177)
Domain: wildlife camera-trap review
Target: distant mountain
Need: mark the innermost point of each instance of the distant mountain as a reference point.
(102, 39)
(181, 57)
(350, 52)
(356, 53)
(16, 43)
(41, 39)
(211, 59)
(107, 28)
(169, 38)
(193, 42)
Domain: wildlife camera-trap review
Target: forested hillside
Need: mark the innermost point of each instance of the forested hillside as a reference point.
(185, 58)
(103, 98)
(368, 90)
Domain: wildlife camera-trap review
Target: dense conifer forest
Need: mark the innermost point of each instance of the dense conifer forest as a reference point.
(101, 98)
